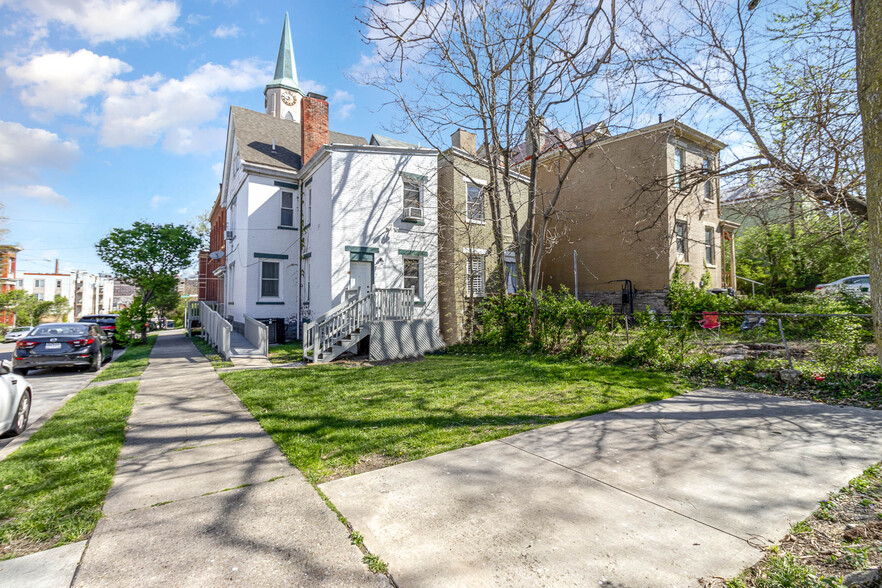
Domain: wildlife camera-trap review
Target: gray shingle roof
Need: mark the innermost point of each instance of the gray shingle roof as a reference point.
(388, 141)
(256, 131)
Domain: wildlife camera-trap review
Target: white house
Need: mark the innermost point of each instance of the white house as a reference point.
(87, 293)
(316, 218)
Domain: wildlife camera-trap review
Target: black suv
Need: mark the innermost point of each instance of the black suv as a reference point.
(107, 322)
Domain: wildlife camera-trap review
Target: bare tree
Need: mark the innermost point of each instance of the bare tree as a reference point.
(788, 87)
(512, 72)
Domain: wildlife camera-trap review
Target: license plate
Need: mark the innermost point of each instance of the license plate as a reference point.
(53, 345)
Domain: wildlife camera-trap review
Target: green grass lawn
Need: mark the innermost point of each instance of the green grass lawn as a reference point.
(130, 364)
(53, 487)
(286, 352)
(210, 353)
(332, 421)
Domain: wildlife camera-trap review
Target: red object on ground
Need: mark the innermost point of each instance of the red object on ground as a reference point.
(710, 320)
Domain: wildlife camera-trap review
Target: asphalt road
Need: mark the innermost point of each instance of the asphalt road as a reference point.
(49, 387)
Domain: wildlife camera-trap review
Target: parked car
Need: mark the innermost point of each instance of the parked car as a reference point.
(859, 285)
(62, 345)
(15, 333)
(15, 401)
(107, 322)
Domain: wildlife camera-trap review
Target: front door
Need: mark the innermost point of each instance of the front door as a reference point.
(361, 276)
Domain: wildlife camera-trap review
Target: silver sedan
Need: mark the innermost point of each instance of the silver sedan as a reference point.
(15, 401)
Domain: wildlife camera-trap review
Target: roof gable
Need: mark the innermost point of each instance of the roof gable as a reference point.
(257, 133)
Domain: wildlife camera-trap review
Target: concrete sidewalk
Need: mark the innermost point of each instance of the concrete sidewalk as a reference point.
(202, 496)
(656, 495)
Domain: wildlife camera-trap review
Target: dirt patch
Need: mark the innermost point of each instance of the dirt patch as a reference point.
(843, 536)
(368, 463)
(22, 547)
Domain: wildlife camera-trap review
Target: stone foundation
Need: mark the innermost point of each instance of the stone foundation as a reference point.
(654, 299)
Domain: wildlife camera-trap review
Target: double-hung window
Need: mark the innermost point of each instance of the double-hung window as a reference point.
(708, 183)
(411, 194)
(680, 237)
(678, 168)
(413, 276)
(287, 219)
(475, 276)
(269, 279)
(511, 276)
(709, 245)
(475, 203)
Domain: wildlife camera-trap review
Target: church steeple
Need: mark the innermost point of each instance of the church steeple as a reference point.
(283, 94)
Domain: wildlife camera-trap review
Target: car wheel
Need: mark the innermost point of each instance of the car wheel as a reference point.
(22, 414)
(20, 371)
(96, 365)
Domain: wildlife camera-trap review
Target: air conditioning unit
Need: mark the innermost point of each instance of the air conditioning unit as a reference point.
(413, 213)
(229, 235)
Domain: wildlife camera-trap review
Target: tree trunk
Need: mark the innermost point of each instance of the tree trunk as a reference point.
(868, 27)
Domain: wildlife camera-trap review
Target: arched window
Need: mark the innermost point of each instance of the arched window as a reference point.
(289, 116)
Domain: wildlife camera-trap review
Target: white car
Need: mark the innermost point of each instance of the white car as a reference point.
(15, 401)
(858, 285)
(16, 333)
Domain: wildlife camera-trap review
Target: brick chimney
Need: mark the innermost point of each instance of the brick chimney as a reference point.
(313, 125)
(464, 140)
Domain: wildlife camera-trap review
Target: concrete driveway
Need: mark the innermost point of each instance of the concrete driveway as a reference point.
(661, 494)
(50, 389)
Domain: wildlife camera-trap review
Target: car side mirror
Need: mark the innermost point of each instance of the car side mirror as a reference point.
(5, 367)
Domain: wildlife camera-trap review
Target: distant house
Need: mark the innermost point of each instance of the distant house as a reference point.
(764, 203)
(86, 292)
(469, 261)
(8, 256)
(635, 208)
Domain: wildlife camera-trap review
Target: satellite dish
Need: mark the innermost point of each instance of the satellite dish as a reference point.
(216, 254)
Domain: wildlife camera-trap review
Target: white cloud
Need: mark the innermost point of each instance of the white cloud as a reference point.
(44, 194)
(106, 20)
(344, 111)
(59, 82)
(195, 19)
(157, 201)
(218, 169)
(23, 151)
(313, 86)
(143, 111)
(182, 210)
(226, 32)
(343, 103)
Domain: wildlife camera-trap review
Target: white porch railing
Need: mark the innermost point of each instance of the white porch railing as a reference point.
(257, 334)
(352, 316)
(215, 329)
(191, 313)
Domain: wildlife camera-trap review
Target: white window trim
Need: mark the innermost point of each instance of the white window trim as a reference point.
(480, 188)
(714, 230)
(420, 293)
(283, 208)
(475, 251)
(260, 296)
(682, 257)
(483, 292)
(477, 182)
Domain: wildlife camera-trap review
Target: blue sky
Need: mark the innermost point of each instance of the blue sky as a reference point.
(113, 111)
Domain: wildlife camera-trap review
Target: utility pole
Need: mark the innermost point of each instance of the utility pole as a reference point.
(575, 274)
